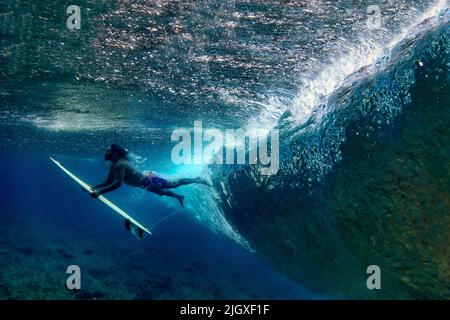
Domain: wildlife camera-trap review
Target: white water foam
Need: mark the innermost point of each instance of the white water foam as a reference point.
(348, 62)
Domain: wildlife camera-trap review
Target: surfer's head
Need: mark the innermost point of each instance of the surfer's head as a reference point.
(116, 152)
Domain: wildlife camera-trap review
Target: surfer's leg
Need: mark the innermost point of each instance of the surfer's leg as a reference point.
(169, 184)
(168, 193)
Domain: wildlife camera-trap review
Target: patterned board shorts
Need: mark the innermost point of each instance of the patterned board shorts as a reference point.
(152, 181)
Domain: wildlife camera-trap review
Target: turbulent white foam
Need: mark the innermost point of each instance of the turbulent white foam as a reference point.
(348, 62)
(330, 78)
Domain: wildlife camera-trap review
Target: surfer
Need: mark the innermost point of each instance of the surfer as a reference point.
(121, 170)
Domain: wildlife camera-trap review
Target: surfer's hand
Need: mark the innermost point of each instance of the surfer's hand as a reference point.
(94, 194)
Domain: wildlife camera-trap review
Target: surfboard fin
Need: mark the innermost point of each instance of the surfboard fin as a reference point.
(135, 230)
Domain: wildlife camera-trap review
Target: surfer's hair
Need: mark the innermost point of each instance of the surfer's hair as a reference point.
(119, 151)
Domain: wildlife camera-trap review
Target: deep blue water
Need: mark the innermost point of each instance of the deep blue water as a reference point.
(49, 223)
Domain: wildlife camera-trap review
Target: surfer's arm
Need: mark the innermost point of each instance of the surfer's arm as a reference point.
(109, 180)
(113, 186)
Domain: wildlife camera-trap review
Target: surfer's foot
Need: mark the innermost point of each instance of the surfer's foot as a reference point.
(203, 181)
(181, 200)
(128, 224)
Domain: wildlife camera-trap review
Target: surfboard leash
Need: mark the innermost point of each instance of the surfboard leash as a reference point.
(164, 218)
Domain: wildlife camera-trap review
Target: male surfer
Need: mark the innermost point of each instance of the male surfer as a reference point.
(121, 170)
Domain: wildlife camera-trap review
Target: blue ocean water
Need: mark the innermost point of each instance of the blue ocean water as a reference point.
(358, 93)
(49, 223)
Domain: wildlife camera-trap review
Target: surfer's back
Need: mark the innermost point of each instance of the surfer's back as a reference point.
(131, 175)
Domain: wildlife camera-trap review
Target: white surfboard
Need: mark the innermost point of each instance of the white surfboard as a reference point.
(103, 199)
